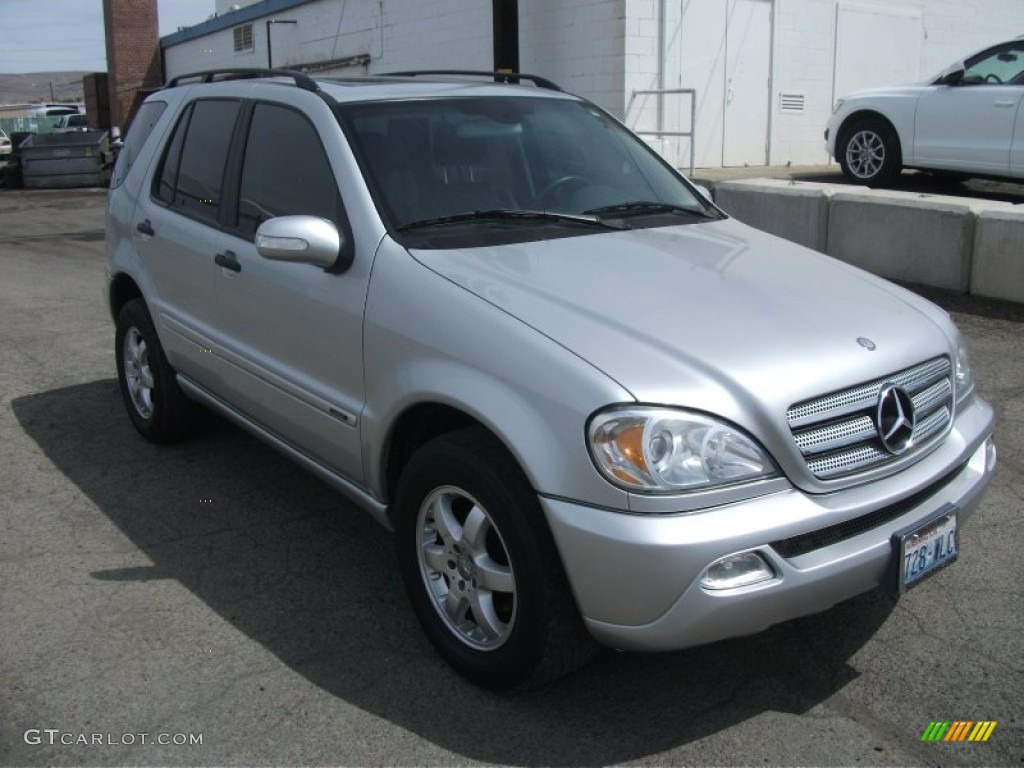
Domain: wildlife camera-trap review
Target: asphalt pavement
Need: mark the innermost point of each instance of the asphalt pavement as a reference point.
(213, 596)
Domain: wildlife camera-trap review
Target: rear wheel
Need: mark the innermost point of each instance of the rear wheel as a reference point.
(480, 566)
(156, 405)
(869, 152)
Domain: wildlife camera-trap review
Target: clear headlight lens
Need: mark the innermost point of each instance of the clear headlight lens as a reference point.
(665, 450)
(963, 373)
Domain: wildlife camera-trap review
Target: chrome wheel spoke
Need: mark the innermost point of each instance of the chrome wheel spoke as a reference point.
(436, 557)
(474, 531)
(486, 617)
(493, 576)
(456, 606)
(445, 522)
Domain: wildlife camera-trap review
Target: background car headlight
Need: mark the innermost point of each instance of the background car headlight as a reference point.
(666, 450)
(963, 373)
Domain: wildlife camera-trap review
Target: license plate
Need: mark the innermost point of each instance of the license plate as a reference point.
(926, 548)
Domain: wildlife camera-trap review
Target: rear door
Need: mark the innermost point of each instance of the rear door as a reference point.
(178, 234)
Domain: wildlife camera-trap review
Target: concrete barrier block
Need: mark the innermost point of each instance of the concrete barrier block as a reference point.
(795, 210)
(998, 268)
(904, 236)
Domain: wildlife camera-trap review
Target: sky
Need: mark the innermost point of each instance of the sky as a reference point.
(56, 35)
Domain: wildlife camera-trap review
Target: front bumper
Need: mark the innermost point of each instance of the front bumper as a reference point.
(637, 578)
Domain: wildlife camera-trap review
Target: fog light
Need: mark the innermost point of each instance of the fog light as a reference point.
(990, 455)
(740, 570)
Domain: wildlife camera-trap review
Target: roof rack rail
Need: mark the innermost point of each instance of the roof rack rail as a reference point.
(499, 77)
(302, 80)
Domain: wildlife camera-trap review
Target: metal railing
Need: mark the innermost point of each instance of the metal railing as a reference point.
(661, 132)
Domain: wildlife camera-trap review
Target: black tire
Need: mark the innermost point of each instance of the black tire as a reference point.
(156, 405)
(504, 565)
(869, 152)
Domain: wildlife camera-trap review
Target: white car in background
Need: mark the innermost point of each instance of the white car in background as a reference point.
(966, 121)
(5, 147)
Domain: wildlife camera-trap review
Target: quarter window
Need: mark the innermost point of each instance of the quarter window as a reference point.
(141, 128)
(285, 171)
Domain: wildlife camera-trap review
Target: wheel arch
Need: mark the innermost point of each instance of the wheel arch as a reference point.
(868, 114)
(416, 426)
(121, 290)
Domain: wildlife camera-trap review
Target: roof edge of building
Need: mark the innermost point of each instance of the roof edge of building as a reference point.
(231, 19)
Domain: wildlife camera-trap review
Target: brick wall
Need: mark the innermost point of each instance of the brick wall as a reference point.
(133, 55)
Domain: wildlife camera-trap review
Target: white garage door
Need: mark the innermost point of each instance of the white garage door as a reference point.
(722, 48)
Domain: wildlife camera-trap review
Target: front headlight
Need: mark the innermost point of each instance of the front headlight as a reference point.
(667, 450)
(963, 373)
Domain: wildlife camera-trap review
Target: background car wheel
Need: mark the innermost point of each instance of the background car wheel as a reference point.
(157, 407)
(480, 566)
(870, 152)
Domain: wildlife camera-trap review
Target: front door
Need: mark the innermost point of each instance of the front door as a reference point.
(292, 333)
(970, 126)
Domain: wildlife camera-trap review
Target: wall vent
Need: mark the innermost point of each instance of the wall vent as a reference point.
(791, 102)
(243, 38)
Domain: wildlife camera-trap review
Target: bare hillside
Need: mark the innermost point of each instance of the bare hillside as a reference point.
(41, 86)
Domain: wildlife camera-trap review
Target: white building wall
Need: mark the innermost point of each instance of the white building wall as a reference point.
(394, 34)
(578, 44)
(606, 50)
(804, 57)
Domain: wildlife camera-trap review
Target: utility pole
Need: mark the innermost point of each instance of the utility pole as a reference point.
(505, 30)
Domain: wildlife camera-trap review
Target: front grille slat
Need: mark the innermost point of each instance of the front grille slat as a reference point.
(837, 433)
(837, 404)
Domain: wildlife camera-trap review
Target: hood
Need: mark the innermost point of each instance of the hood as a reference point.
(715, 316)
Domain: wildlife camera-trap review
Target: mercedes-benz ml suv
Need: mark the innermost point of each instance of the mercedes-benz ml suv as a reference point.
(590, 405)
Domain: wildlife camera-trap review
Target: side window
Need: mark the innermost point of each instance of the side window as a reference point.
(285, 170)
(138, 132)
(193, 169)
(1005, 65)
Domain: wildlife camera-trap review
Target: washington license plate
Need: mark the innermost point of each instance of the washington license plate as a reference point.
(926, 548)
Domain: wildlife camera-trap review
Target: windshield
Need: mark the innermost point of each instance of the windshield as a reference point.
(455, 169)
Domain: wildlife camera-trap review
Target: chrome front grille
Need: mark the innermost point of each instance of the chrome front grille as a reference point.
(837, 434)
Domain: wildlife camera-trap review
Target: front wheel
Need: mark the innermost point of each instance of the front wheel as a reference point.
(480, 566)
(869, 152)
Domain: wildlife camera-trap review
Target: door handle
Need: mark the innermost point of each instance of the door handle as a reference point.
(146, 227)
(228, 260)
(1005, 103)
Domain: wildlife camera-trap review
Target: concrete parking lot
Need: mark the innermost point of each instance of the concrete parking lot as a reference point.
(212, 591)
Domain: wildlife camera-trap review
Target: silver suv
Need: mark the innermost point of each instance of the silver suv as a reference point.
(590, 405)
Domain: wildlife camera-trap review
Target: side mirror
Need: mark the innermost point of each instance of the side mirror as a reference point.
(705, 192)
(952, 78)
(300, 239)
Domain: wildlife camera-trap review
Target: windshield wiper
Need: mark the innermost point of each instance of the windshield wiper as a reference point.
(650, 207)
(512, 214)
